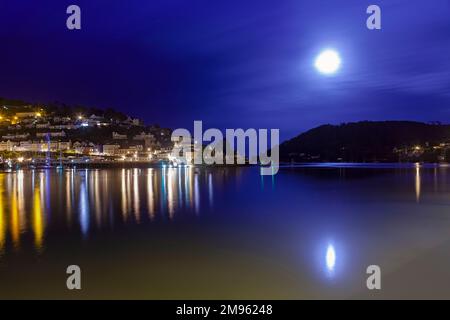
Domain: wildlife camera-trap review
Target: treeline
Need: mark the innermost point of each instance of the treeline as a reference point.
(59, 109)
(367, 141)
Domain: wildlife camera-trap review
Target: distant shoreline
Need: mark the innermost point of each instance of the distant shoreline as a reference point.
(363, 165)
(113, 165)
(156, 165)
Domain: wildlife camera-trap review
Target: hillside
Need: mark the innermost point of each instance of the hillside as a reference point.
(36, 129)
(369, 141)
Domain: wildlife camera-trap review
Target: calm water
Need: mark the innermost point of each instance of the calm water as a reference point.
(308, 232)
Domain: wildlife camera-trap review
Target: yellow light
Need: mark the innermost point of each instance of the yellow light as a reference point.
(38, 114)
(20, 159)
(38, 221)
(15, 228)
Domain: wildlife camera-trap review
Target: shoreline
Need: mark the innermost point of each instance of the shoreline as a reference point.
(111, 165)
(147, 165)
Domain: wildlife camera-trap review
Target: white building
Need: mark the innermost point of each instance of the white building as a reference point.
(16, 136)
(110, 149)
(64, 126)
(52, 134)
(143, 136)
(6, 145)
(117, 136)
(42, 125)
(130, 150)
(64, 145)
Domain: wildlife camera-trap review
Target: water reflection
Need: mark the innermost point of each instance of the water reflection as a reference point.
(86, 201)
(95, 199)
(150, 194)
(15, 228)
(38, 220)
(330, 259)
(417, 183)
(84, 208)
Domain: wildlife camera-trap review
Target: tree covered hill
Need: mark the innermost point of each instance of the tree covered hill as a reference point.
(368, 141)
(78, 123)
(58, 109)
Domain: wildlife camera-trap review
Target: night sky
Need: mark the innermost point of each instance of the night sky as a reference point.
(231, 63)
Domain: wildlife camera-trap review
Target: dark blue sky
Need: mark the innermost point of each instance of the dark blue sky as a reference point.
(231, 63)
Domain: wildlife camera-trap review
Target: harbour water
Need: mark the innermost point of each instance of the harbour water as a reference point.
(169, 233)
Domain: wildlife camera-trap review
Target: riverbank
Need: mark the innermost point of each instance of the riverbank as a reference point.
(106, 165)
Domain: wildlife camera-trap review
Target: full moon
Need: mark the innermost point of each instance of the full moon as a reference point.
(328, 62)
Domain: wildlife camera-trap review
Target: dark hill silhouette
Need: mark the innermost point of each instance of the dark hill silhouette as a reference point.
(367, 141)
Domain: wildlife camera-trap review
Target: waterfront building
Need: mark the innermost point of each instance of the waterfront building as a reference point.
(110, 149)
(64, 145)
(6, 145)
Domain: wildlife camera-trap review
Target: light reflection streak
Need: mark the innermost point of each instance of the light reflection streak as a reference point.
(128, 187)
(38, 220)
(26, 197)
(417, 183)
(186, 185)
(170, 195)
(123, 192)
(69, 193)
(84, 208)
(197, 194)
(163, 190)
(180, 191)
(15, 232)
(47, 186)
(210, 190)
(136, 203)
(150, 194)
(97, 201)
(21, 201)
(330, 258)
